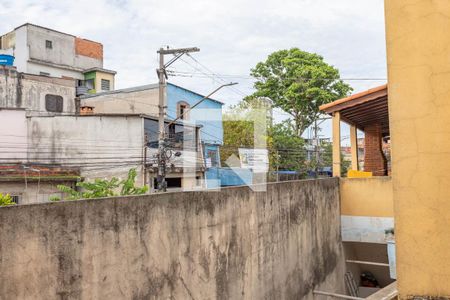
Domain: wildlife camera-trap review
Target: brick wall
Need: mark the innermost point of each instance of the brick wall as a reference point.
(88, 48)
(374, 160)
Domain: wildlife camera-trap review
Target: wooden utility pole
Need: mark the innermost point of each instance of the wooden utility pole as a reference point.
(162, 75)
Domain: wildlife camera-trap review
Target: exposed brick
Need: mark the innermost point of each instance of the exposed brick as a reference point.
(374, 159)
(88, 48)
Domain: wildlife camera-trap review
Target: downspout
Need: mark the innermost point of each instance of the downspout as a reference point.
(77, 105)
(19, 90)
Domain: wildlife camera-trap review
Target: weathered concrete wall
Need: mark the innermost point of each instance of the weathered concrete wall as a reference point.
(142, 101)
(35, 88)
(19, 90)
(8, 87)
(103, 146)
(33, 191)
(232, 244)
(63, 51)
(13, 136)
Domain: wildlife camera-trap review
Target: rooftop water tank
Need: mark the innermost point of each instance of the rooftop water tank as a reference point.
(6, 60)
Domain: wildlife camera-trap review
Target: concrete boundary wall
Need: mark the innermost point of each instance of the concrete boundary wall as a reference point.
(227, 244)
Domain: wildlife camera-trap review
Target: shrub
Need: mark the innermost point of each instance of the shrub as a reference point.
(6, 200)
(105, 188)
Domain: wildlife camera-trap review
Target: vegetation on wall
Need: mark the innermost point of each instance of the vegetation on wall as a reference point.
(104, 188)
(6, 200)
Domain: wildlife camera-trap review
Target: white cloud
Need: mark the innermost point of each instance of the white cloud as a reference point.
(233, 35)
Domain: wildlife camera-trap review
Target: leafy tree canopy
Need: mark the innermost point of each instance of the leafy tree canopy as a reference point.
(298, 82)
(288, 147)
(245, 125)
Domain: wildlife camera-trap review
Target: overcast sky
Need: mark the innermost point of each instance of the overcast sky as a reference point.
(233, 35)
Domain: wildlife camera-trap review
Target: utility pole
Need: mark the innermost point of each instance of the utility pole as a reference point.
(316, 147)
(162, 75)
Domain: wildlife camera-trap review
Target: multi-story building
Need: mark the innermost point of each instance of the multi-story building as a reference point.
(37, 95)
(39, 152)
(44, 51)
(144, 100)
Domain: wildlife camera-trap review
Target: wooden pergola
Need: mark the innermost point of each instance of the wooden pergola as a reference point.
(359, 111)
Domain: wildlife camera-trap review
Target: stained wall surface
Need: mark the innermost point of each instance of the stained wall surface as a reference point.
(29, 92)
(232, 244)
(418, 46)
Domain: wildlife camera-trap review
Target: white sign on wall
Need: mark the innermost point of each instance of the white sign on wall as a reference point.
(255, 159)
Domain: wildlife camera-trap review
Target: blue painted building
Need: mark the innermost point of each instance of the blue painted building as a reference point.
(208, 114)
(144, 100)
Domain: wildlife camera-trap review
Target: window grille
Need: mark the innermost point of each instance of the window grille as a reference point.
(105, 85)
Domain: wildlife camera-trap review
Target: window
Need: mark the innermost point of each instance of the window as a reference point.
(183, 110)
(53, 103)
(171, 182)
(105, 85)
(48, 44)
(44, 74)
(179, 137)
(212, 158)
(198, 181)
(15, 198)
(89, 83)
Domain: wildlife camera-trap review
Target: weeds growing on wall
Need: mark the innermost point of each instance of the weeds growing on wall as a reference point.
(6, 200)
(104, 188)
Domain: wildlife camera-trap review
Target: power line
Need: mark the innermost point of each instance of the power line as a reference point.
(191, 74)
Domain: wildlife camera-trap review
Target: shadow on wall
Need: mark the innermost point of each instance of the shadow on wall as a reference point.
(232, 244)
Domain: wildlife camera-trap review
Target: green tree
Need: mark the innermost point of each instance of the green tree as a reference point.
(288, 147)
(104, 188)
(298, 82)
(240, 123)
(327, 159)
(6, 200)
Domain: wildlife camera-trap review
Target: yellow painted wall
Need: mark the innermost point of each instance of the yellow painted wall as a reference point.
(98, 80)
(418, 48)
(370, 197)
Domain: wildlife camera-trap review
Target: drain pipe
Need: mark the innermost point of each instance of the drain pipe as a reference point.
(77, 105)
(337, 295)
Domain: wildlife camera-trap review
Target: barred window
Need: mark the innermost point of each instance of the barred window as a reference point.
(54, 103)
(105, 85)
(15, 198)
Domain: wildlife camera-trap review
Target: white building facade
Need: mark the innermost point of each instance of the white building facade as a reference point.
(44, 51)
